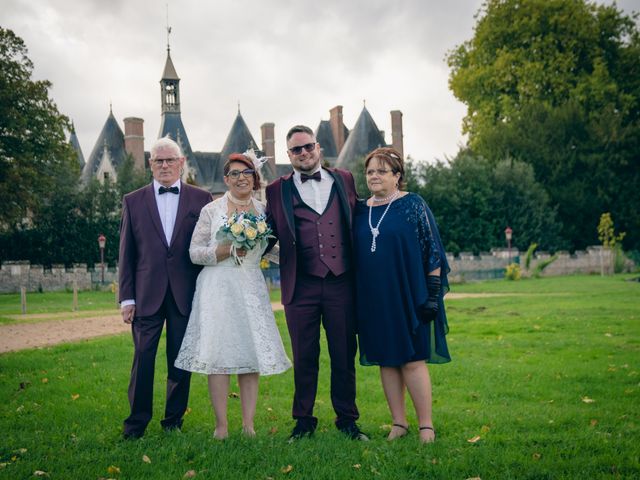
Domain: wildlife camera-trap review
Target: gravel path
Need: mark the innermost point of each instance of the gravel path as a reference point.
(20, 336)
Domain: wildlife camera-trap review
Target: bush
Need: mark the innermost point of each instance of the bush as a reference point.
(512, 272)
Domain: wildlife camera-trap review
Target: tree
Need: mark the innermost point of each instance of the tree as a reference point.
(131, 178)
(473, 201)
(35, 158)
(556, 84)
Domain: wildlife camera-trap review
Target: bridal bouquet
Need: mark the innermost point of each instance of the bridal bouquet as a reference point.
(244, 230)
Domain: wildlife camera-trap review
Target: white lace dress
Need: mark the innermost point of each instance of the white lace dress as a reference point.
(231, 328)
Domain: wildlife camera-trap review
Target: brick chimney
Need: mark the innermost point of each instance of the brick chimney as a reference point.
(134, 140)
(396, 131)
(269, 144)
(337, 127)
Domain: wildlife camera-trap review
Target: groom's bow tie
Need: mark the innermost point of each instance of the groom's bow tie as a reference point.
(162, 190)
(315, 176)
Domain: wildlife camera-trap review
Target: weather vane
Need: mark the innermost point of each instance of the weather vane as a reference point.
(168, 29)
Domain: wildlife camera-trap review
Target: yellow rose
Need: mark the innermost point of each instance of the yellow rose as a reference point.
(262, 227)
(251, 233)
(237, 228)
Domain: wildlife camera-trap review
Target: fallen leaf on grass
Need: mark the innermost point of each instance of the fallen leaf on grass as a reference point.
(273, 430)
(588, 400)
(4, 464)
(608, 335)
(75, 396)
(20, 408)
(45, 380)
(474, 439)
(189, 474)
(434, 461)
(536, 456)
(485, 428)
(187, 411)
(40, 473)
(357, 466)
(146, 459)
(113, 470)
(474, 478)
(22, 451)
(593, 422)
(286, 469)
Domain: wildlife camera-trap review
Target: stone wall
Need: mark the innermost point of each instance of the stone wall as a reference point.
(36, 278)
(464, 267)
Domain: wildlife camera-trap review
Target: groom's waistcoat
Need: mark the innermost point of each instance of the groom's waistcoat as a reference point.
(321, 240)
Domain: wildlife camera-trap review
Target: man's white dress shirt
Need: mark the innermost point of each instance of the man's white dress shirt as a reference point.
(314, 193)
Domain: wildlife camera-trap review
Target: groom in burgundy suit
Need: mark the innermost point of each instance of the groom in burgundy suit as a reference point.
(157, 281)
(310, 211)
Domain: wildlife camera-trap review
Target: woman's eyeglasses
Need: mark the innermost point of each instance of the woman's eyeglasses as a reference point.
(235, 174)
(298, 150)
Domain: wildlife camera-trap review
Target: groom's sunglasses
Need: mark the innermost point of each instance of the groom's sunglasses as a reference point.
(298, 150)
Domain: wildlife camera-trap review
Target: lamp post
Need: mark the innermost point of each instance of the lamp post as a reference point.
(507, 234)
(102, 240)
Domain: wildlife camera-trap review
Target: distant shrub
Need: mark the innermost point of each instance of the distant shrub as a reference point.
(512, 272)
(529, 255)
(544, 264)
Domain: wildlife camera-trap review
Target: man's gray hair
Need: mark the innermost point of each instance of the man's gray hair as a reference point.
(165, 143)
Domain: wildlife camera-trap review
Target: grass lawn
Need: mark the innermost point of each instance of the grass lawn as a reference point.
(544, 384)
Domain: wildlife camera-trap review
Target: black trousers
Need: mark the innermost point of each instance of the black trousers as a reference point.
(146, 333)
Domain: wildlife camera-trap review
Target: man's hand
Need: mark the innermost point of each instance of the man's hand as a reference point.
(128, 313)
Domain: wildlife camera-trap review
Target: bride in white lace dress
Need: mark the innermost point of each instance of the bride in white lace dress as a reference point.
(231, 328)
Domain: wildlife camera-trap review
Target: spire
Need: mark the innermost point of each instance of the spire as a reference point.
(168, 31)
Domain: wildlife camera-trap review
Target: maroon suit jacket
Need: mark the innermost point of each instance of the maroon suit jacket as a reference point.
(280, 216)
(147, 265)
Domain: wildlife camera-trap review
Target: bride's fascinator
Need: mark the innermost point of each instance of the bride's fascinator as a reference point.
(258, 162)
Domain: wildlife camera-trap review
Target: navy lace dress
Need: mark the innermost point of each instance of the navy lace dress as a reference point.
(391, 285)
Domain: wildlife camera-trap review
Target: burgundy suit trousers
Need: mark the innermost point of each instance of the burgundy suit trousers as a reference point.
(146, 333)
(327, 301)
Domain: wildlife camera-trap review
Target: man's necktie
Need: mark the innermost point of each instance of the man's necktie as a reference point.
(162, 190)
(315, 176)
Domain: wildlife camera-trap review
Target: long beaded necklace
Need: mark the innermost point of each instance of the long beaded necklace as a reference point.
(375, 231)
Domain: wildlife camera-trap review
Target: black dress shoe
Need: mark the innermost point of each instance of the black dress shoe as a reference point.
(352, 430)
(168, 427)
(132, 435)
(303, 428)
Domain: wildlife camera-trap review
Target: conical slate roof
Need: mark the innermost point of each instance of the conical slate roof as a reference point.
(169, 70)
(112, 138)
(73, 141)
(364, 137)
(324, 136)
(238, 140)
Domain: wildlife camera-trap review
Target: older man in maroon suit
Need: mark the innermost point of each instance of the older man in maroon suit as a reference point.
(310, 212)
(157, 281)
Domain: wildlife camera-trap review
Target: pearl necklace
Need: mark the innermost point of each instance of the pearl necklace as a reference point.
(375, 231)
(241, 203)
(380, 200)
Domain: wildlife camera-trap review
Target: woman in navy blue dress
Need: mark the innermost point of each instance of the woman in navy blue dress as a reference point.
(401, 278)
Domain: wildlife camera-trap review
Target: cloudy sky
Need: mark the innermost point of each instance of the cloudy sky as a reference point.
(283, 61)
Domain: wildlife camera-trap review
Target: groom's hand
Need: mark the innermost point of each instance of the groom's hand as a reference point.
(128, 313)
